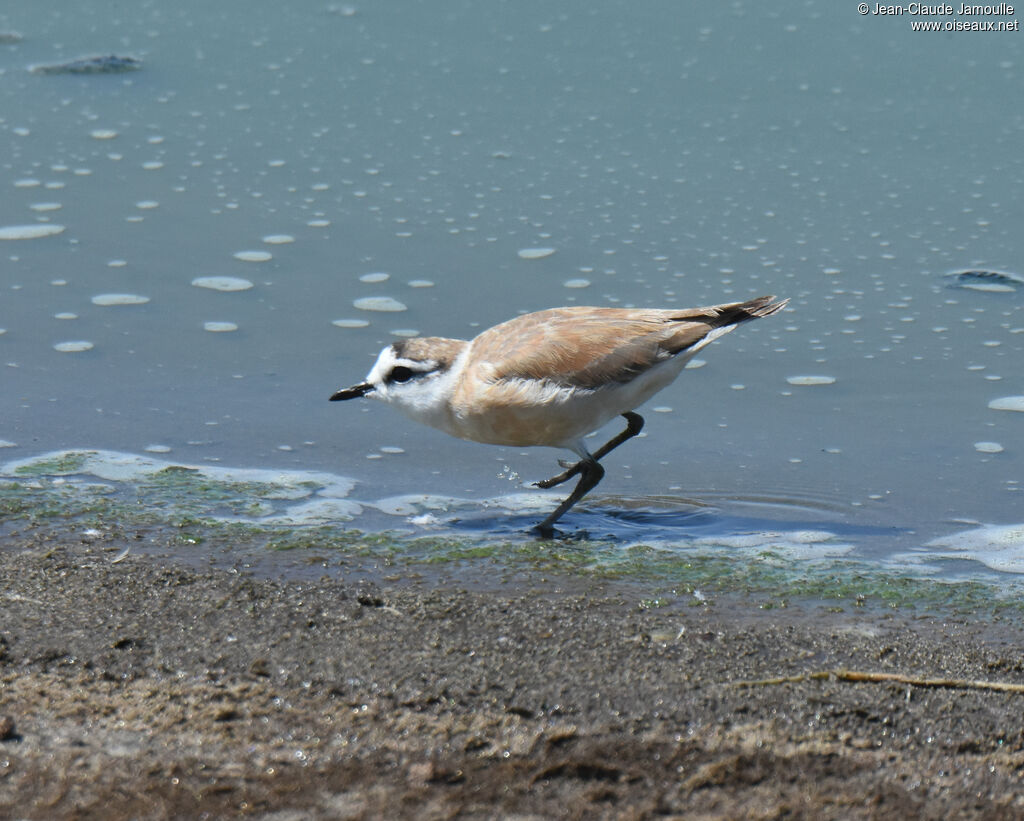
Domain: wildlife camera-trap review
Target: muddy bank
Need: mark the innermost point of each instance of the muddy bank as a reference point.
(137, 687)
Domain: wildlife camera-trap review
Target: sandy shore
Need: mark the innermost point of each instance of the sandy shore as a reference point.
(137, 687)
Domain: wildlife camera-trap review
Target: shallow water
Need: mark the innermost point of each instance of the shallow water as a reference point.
(197, 253)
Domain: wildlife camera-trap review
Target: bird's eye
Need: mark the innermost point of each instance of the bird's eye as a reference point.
(400, 373)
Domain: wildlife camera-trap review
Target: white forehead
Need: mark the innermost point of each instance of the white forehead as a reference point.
(386, 360)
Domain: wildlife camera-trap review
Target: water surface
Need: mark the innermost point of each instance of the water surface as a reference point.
(197, 253)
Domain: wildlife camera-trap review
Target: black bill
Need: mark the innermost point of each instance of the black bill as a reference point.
(352, 393)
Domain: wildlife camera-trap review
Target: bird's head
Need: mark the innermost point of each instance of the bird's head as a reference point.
(410, 373)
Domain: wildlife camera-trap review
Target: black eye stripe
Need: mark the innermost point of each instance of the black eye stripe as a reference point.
(400, 373)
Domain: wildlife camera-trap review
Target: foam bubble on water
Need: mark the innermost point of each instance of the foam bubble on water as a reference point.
(420, 283)
(75, 346)
(535, 253)
(693, 364)
(988, 447)
(157, 449)
(810, 380)
(152, 165)
(315, 511)
(65, 315)
(119, 299)
(278, 239)
(103, 134)
(1008, 403)
(577, 283)
(377, 276)
(412, 504)
(27, 182)
(219, 327)
(379, 303)
(114, 466)
(522, 503)
(222, 283)
(351, 323)
(391, 449)
(318, 223)
(253, 256)
(30, 231)
(46, 206)
(1000, 547)
(147, 205)
(805, 544)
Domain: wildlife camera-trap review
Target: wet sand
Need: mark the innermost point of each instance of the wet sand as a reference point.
(134, 686)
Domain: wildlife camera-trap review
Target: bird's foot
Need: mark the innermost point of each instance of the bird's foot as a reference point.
(545, 532)
(571, 469)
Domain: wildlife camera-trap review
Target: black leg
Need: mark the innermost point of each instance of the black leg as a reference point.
(634, 424)
(591, 473)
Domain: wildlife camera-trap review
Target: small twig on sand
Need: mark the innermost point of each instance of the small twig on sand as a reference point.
(897, 678)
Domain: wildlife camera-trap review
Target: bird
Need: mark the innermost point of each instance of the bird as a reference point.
(550, 377)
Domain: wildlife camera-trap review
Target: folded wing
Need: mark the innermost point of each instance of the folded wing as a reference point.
(590, 347)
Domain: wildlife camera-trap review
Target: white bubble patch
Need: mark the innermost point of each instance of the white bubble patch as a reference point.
(254, 256)
(535, 253)
(119, 299)
(1000, 547)
(1007, 403)
(12, 232)
(222, 283)
(811, 380)
(379, 303)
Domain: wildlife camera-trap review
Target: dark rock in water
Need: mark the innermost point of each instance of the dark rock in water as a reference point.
(981, 280)
(106, 64)
(8, 37)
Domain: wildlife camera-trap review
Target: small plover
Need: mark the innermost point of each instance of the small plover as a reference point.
(551, 377)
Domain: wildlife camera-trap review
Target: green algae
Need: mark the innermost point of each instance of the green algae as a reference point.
(191, 509)
(669, 575)
(64, 464)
